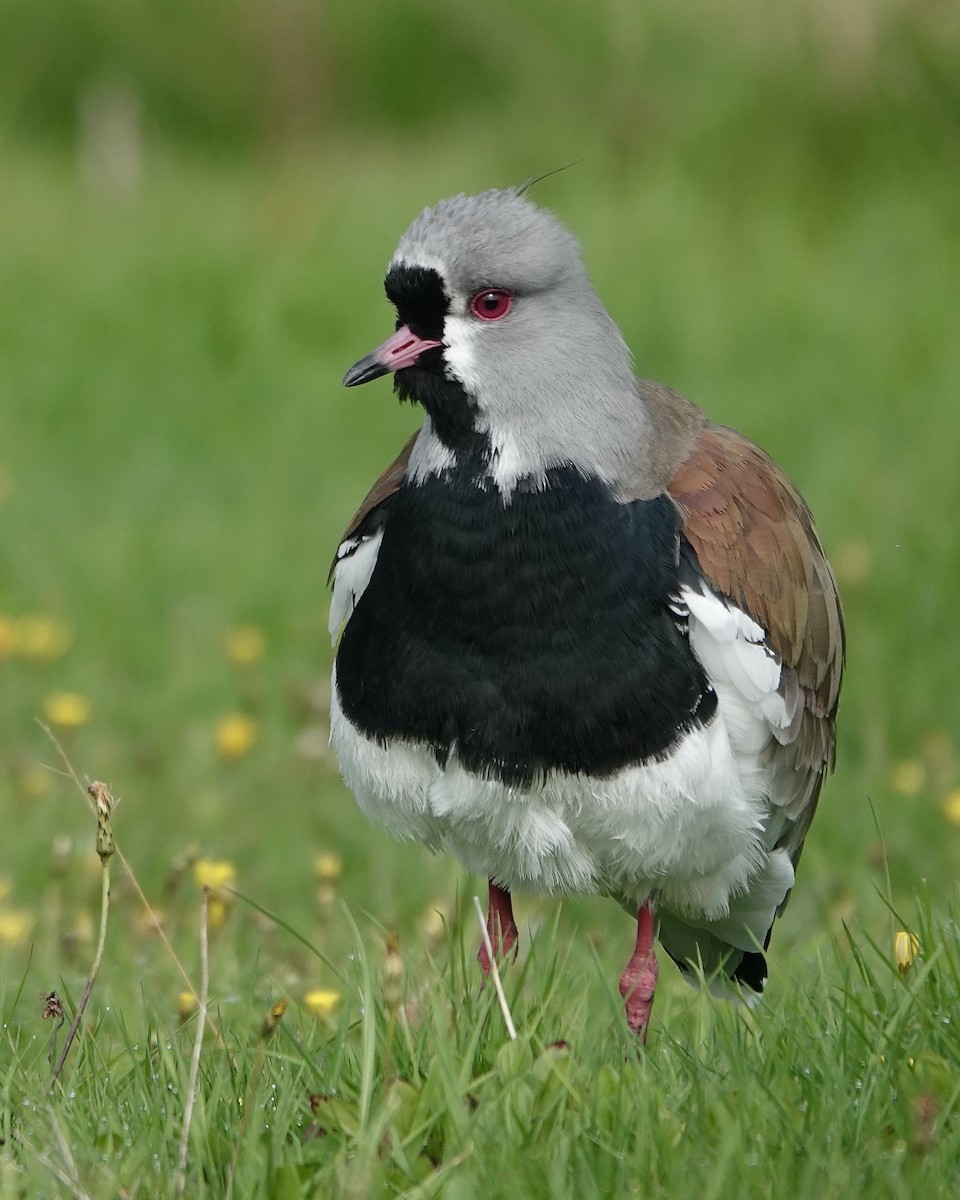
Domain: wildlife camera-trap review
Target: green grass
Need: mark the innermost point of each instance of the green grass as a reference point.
(176, 456)
(844, 1084)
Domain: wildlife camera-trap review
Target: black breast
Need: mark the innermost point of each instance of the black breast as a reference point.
(530, 636)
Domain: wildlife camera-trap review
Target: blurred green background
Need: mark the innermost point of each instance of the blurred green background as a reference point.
(197, 204)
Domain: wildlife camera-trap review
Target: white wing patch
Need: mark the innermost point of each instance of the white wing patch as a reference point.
(356, 558)
(741, 665)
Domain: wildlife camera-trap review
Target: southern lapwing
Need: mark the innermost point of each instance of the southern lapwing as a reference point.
(588, 641)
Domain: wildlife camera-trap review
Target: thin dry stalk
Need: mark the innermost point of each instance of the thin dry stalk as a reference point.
(495, 971)
(103, 803)
(67, 1156)
(72, 1185)
(128, 871)
(197, 1046)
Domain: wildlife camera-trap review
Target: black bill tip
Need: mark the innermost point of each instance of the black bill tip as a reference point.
(363, 371)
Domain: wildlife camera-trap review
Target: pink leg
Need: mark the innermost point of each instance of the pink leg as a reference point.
(639, 978)
(500, 926)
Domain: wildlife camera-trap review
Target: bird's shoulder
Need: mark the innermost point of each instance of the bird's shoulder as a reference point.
(754, 540)
(370, 515)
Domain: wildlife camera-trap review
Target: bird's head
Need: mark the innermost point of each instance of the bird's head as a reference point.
(503, 341)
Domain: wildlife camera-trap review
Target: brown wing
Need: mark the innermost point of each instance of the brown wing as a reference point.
(755, 543)
(385, 487)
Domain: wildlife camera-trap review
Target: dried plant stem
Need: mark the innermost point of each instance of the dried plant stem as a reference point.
(67, 1156)
(495, 971)
(105, 849)
(203, 1000)
(128, 871)
(71, 1185)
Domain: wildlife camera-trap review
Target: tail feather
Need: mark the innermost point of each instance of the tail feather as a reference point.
(728, 951)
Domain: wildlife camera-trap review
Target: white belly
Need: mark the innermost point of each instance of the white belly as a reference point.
(689, 827)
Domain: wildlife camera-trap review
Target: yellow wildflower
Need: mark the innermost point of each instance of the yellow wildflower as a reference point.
(951, 807)
(33, 782)
(186, 1005)
(905, 947)
(908, 777)
(217, 910)
(9, 636)
(328, 867)
(244, 645)
(68, 710)
(214, 874)
(322, 1002)
(15, 926)
(217, 877)
(235, 736)
(41, 638)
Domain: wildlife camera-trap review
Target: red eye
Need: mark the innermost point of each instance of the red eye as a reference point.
(491, 304)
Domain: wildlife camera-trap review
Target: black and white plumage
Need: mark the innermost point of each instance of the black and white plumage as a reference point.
(590, 642)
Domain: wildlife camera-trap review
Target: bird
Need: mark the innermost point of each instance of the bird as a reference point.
(587, 641)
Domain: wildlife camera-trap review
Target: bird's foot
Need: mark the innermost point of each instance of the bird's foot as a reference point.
(639, 979)
(501, 929)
